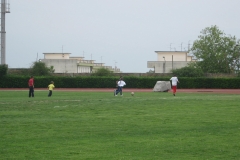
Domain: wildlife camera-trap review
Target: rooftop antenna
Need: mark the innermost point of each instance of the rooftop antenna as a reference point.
(5, 8)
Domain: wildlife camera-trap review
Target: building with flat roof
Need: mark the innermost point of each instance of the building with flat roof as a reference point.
(169, 60)
(63, 63)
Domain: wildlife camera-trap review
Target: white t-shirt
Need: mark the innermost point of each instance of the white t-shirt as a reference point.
(174, 81)
(121, 83)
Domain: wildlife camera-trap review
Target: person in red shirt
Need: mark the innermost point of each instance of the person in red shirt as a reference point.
(31, 87)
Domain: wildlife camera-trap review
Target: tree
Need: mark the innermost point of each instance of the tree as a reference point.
(189, 71)
(102, 72)
(51, 69)
(40, 69)
(3, 69)
(216, 52)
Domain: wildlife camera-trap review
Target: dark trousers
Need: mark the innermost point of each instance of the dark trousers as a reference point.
(50, 93)
(119, 90)
(31, 91)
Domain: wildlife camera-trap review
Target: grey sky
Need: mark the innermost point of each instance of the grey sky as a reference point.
(125, 31)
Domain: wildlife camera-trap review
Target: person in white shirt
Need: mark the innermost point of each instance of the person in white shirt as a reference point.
(174, 80)
(120, 84)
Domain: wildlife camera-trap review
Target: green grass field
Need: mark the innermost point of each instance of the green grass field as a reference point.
(99, 126)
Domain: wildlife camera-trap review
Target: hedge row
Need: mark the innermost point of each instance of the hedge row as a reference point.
(110, 82)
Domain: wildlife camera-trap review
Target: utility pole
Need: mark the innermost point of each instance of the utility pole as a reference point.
(5, 8)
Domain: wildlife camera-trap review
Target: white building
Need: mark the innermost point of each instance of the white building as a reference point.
(168, 60)
(63, 63)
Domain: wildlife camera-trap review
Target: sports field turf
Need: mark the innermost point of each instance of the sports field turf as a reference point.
(99, 126)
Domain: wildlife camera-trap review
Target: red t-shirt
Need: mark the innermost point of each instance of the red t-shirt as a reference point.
(30, 82)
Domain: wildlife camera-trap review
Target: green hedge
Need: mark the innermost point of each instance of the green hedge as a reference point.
(221, 83)
(110, 82)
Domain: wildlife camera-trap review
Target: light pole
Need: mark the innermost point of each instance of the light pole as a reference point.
(164, 64)
(115, 65)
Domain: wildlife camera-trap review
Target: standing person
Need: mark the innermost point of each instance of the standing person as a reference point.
(174, 80)
(31, 87)
(115, 90)
(50, 88)
(120, 83)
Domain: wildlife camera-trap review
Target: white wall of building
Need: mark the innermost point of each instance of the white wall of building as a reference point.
(62, 65)
(84, 69)
(189, 58)
(168, 60)
(56, 55)
(166, 67)
(172, 56)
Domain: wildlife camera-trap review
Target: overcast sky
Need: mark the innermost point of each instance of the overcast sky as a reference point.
(122, 32)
